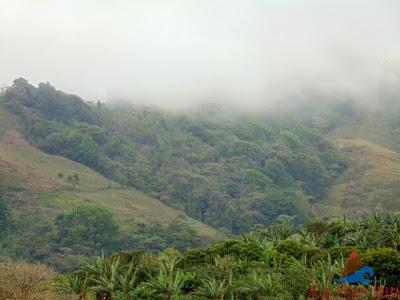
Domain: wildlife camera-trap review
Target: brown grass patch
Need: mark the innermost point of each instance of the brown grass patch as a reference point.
(23, 281)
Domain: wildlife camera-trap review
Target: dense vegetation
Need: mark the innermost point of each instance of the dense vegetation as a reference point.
(278, 262)
(86, 231)
(234, 173)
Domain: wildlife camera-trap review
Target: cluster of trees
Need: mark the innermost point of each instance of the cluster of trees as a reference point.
(87, 231)
(279, 262)
(234, 173)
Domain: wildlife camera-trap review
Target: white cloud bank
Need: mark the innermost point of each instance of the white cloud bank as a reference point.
(174, 53)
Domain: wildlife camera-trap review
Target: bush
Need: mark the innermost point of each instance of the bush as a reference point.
(316, 227)
(27, 281)
(337, 253)
(291, 248)
(144, 262)
(386, 264)
(239, 249)
(316, 254)
(197, 257)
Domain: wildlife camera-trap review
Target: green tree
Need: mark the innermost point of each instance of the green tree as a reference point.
(277, 202)
(86, 227)
(276, 170)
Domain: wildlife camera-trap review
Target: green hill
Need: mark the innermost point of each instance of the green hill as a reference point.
(32, 177)
(38, 190)
(165, 175)
(232, 171)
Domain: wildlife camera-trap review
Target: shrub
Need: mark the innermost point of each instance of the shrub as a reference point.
(316, 254)
(239, 249)
(25, 281)
(291, 248)
(197, 257)
(386, 264)
(337, 253)
(316, 227)
(144, 262)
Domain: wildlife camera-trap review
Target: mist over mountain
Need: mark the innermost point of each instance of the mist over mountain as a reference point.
(179, 53)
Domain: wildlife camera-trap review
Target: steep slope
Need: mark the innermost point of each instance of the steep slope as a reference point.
(37, 184)
(371, 183)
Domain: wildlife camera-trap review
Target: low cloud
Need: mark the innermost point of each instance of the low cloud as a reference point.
(179, 53)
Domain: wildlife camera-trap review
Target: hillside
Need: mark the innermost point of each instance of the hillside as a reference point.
(37, 192)
(232, 171)
(369, 139)
(32, 178)
(371, 184)
(169, 178)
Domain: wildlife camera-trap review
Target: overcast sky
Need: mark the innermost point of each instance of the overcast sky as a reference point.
(172, 53)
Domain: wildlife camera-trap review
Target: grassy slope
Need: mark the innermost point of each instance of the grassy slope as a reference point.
(372, 182)
(31, 177)
(373, 128)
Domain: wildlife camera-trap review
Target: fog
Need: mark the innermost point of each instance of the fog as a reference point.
(179, 53)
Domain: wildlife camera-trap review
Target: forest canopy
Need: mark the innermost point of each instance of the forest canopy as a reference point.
(230, 172)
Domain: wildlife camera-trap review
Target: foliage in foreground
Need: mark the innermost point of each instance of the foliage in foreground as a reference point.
(282, 262)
